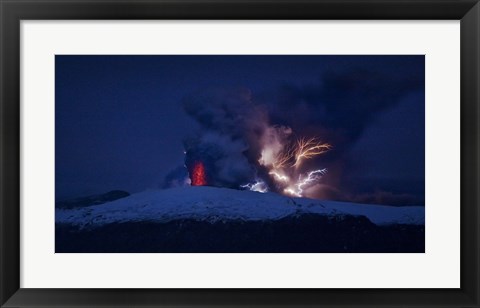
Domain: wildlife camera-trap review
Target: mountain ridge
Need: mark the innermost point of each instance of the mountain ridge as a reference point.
(213, 204)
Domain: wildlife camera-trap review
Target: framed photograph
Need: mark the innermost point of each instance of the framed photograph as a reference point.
(239, 153)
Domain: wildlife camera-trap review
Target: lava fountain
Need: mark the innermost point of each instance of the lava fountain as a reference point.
(198, 175)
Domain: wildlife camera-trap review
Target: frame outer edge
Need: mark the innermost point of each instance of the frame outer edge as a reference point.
(470, 146)
(242, 9)
(2, 258)
(9, 153)
(10, 16)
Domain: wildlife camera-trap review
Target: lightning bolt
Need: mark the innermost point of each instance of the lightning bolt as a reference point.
(298, 187)
(284, 158)
(308, 148)
(258, 186)
(279, 177)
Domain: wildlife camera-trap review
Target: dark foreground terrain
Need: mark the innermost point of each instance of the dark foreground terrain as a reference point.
(300, 234)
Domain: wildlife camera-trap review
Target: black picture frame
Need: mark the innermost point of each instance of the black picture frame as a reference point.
(13, 11)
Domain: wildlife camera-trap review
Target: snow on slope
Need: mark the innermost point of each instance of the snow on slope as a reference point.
(212, 204)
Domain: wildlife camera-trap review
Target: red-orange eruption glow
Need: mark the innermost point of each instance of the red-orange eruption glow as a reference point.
(198, 175)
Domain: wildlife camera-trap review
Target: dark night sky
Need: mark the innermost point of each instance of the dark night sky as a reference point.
(120, 122)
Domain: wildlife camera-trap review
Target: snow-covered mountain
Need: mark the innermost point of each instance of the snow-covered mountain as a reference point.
(220, 204)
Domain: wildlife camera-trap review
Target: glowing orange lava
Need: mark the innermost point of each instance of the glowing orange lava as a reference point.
(198, 175)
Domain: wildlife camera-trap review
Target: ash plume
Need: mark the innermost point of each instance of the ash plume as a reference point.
(227, 142)
(295, 140)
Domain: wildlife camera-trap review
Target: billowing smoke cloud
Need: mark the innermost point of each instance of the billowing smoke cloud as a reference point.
(237, 146)
(224, 158)
(274, 139)
(339, 109)
(228, 140)
(342, 105)
(246, 142)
